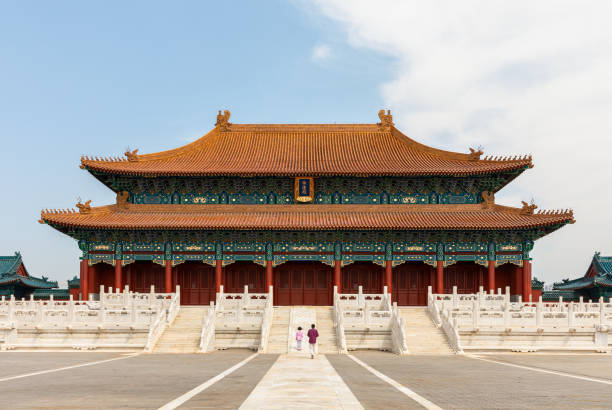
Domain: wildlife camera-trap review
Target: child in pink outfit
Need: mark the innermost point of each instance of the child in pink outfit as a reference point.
(298, 337)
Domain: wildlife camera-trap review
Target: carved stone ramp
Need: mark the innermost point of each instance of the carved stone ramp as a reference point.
(183, 335)
(422, 335)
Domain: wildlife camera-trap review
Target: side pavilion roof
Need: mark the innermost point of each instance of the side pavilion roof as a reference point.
(599, 273)
(305, 150)
(12, 270)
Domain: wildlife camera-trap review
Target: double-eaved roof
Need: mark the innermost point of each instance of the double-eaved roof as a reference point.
(304, 150)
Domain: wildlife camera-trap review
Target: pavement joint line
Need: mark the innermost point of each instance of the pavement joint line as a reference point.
(536, 369)
(59, 369)
(199, 389)
(408, 392)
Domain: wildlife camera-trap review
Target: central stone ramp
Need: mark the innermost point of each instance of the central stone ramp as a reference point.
(422, 335)
(279, 330)
(297, 382)
(183, 335)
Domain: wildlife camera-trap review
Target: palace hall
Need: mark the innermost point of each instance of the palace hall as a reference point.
(304, 208)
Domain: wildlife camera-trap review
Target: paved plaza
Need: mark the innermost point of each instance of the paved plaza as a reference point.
(235, 379)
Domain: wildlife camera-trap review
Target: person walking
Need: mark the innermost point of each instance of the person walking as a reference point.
(299, 335)
(312, 340)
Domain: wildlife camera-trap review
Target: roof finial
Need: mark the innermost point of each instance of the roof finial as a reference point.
(132, 156)
(84, 208)
(528, 209)
(386, 120)
(223, 121)
(475, 154)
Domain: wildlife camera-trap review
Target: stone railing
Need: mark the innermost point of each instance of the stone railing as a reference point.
(207, 336)
(266, 322)
(165, 317)
(122, 309)
(125, 320)
(557, 325)
(339, 321)
(365, 309)
(398, 331)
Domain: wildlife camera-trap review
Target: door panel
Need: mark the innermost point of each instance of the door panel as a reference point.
(365, 274)
(410, 282)
(303, 283)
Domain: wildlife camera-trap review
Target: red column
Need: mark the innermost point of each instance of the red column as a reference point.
(269, 275)
(84, 279)
(526, 280)
(168, 277)
(492, 276)
(118, 275)
(439, 277)
(218, 275)
(518, 273)
(338, 275)
(389, 275)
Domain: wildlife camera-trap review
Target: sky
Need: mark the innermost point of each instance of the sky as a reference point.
(94, 78)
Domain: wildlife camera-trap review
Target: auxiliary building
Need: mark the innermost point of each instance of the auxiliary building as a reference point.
(304, 208)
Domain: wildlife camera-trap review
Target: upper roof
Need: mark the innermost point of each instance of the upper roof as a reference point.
(305, 217)
(304, 150)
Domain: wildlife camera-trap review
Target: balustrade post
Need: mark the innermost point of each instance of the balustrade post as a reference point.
(539, 314)
(475, 313)
(507, 294)
(360, 298)
(11, 309)
(602, 312)
(454, 297)
(70, 310)
(506, 315)
(102, 298)
(570, 314)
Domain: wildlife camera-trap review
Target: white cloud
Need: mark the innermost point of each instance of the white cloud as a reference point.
(321, 53)
(517, 77)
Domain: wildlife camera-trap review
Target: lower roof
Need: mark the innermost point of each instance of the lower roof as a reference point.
(305, 217)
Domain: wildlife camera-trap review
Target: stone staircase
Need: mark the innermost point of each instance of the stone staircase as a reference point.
(422, 336)
(279, 331)
(328, 343)
(183, 335)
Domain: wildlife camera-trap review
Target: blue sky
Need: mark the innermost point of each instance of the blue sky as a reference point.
(96, 77)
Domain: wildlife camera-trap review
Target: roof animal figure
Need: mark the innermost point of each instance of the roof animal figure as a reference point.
(84, 208)
(223, 121)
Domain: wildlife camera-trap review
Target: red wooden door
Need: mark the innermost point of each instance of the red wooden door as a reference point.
(244, 273)
(197, 282)
(467, 276)
(410, 281)
(303, 283)
(368, 275)
(140, 275)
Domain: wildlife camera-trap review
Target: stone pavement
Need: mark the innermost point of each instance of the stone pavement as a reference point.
(296, 381)
(89, 380)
